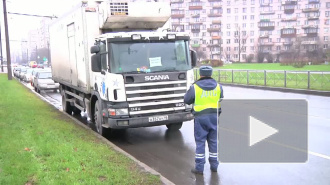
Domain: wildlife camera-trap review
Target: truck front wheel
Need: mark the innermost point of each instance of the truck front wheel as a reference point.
(98, 119)
(66, 105)
(174, 126)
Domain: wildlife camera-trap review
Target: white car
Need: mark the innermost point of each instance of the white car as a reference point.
(27, 75)
(43, 81)
(34, 72)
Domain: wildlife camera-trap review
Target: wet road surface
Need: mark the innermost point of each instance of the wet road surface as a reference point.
(172, 153)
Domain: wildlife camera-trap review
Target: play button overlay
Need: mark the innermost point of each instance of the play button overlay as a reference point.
(259, 131)
(263, 131)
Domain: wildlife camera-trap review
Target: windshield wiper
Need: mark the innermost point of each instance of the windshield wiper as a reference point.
(133, 72)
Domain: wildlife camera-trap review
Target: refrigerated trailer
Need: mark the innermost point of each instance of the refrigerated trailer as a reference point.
(113, 61)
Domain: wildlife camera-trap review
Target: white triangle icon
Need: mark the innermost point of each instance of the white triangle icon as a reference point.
(259, 131)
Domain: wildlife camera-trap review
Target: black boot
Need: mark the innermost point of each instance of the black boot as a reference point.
(196, 172)
(214, 170)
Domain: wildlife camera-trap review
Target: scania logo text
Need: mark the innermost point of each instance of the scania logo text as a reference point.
(156, 77)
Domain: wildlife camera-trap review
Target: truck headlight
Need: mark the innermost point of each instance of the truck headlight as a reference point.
(118, 112)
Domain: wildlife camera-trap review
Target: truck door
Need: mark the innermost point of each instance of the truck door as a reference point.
(72, 54)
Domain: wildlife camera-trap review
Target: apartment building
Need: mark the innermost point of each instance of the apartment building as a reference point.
(250, 27)
(202, 19)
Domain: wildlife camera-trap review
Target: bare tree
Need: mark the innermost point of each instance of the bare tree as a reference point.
(200, 54)
(294, 55)
(240, 38)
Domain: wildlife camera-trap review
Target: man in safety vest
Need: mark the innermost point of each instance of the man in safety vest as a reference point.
(205, 94)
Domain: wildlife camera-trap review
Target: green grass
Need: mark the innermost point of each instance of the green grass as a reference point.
(39, 145)
(275, 66)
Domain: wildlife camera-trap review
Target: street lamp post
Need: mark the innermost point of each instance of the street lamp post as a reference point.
(1, 50)
(7, 41)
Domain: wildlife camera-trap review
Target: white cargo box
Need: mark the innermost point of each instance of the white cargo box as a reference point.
(135, 15)
(73, 34)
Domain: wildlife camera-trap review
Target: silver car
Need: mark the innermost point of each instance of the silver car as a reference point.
(43, 81)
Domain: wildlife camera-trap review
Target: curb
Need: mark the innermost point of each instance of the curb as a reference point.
(145, 167)
(300, 91)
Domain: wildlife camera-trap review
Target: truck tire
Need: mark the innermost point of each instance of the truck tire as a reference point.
(98, 120)
(76, 111)
(174, 126)
(66, 105)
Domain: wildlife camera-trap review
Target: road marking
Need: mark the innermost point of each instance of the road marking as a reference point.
(319, 155)
(280, 144)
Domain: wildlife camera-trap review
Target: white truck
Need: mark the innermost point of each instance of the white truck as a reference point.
(111, 61)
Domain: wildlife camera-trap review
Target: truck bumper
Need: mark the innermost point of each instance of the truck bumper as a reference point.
(144, 121)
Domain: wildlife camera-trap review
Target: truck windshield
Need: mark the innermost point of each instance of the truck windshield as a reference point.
(148, 57)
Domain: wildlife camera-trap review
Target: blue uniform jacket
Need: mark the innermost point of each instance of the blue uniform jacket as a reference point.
(206, 83)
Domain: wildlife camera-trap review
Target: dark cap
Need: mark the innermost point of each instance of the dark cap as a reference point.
(205, 71)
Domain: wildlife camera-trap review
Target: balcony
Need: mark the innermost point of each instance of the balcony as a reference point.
(214, 14)
(216, 22)
(195, 7)
(308, 42)
(264, 4)
(213, 29)
(288, 43)
(265, 51)
(310, 27)
(177, 16)
(313, 17)
(195, 15)
(216, 37)
(264, 36)
(292, 2)
(217, 6)
(263, 25)
(195, 30)
(312, 34)
(214, 0)
(195, 23)
(289, 19)
(313, 1)
(289, 9)
(288, 32)
(176, 24)
(266, 43)
(195, 45)
(213, 45)
(311, 10)
(265, 12)
(176, 1)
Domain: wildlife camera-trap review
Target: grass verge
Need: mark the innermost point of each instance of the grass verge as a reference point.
(39, 145)
(274, 66)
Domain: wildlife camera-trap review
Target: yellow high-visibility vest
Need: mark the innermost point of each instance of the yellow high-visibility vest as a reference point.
(206, 99)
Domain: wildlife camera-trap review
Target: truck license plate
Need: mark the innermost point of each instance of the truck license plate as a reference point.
(158, 118)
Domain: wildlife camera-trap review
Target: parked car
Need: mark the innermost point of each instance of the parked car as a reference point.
(43, 81)
(16, 71)
(34, 72)
(22, 73)
(27, 75)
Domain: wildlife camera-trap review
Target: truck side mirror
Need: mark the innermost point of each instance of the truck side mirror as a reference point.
(96, 62)
(95, 49)
(193, 56)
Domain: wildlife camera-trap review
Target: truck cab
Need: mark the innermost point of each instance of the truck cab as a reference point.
(142, 78)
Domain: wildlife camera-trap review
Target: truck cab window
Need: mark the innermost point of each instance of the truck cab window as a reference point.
(103, 53)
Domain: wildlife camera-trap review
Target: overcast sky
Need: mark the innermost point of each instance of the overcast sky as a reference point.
(20, 25)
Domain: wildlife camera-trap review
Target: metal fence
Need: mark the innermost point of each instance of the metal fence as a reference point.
(313, 80)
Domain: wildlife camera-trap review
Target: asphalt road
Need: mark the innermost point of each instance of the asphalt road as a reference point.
(172, 153)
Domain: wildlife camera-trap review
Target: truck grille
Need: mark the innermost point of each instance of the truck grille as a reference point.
(161, 98)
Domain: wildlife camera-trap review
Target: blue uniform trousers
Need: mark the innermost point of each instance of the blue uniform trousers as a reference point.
(205, 129)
